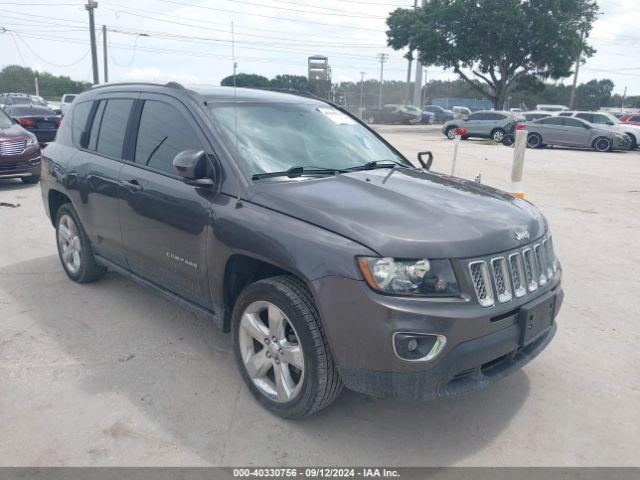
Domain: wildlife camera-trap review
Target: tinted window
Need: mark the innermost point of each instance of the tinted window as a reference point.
(79, 120)
(69, 98)
(95, 127)
(19, 100)
(572, 122)
(163, 133)
(113, 127)
(565, 114)
(602, 120)
(588, 117)
(476, 116)
(551, 121)
(634, 119)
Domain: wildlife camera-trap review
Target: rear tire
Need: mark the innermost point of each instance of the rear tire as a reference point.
(31, 180)
(311, 381)
(602, 144)
(74, 247)
(634, 143)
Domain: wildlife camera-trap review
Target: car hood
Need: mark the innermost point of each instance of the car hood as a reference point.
(14, 132)
(406, 213)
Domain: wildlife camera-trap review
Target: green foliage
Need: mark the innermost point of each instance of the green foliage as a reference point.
(501, 42)
(14, 78)
(293, 82)
(593, 94)
(250, 80)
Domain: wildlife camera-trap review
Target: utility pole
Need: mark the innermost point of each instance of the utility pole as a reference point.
(382, 57)
(417, 86)
(575, 75)
(35, 79)
(90, 7)
(624, 95)
(104, 53)
(362, 74)
(409, 60)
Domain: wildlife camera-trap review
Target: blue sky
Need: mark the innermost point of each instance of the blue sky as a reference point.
(189, 40)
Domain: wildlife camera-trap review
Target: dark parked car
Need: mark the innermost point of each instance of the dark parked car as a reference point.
(19, 152)
(441, 115)
(41, 121)
(329, 257)
(393, 114)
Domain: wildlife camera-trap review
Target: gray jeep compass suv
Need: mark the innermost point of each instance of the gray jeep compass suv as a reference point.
(330, 258)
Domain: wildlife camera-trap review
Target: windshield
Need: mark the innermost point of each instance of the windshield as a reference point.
(5, 121)
(275, 137)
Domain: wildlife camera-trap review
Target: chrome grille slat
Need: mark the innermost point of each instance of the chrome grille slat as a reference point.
(12, 147)
(501, 277)
(540, 264)
(531, 275)
(482, 282)
(517, 275)
(548, 258)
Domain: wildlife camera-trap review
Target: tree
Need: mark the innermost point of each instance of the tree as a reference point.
(250, 80)
(594, 94)
(14, 78)
(291, 82)
(500, 42)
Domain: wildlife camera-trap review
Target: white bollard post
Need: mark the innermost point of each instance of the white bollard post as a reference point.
(517, 170)
(455, 154)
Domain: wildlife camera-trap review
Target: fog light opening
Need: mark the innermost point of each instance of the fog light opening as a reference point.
(417, 347)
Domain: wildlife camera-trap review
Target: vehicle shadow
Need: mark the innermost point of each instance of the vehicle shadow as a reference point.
(7, 184)
(175, 374)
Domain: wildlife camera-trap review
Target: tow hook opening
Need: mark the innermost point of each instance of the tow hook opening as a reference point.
(417, 347)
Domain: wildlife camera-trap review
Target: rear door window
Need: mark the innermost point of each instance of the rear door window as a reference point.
(551, 121)
(113, 127)
(586, 116)
(163, 133)
(572, 122)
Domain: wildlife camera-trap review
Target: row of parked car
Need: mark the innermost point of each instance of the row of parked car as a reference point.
(601, 131)
(411, 115)
(26, 123)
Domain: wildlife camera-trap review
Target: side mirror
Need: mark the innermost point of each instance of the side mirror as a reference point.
(426, 165)
(192, 165)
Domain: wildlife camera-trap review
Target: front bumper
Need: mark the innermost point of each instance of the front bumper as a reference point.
(482, 344)
(17, 166)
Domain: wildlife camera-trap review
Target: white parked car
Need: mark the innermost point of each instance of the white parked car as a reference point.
(461, 112)
(66, 100)
(610, 121)
(551, 108)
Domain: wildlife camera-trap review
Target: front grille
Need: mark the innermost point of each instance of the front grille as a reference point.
(12, 147)
(5, 167)
(514, 274)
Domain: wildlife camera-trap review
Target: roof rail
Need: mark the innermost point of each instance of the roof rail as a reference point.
(175, 85)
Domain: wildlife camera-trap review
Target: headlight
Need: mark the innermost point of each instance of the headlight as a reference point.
(433, 278)
(32, 142)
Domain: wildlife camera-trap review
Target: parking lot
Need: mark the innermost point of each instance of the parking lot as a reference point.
(110, 373)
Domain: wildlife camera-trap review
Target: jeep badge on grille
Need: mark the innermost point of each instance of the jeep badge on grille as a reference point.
(522, 235)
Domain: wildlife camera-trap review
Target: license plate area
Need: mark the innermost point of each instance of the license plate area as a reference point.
(535, 318)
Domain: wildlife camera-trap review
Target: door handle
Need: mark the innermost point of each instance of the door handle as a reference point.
(132, 185)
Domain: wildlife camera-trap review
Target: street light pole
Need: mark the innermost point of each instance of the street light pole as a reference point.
(362, 74)
(104, 54)
(417, 86)
(382, 57)
(90, 7)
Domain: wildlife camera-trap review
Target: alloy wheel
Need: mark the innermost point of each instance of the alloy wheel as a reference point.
(498, 136)
(69, 243)
(271, 352)
(603, 145)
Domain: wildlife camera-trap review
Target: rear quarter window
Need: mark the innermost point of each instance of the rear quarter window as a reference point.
(79, 117)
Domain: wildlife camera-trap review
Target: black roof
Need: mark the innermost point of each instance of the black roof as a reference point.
(216, 94)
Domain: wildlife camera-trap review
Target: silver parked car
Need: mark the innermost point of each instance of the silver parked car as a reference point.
(610, 121)
(487, 124)
(574, 132)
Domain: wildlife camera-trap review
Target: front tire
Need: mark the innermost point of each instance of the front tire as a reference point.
(602, 144)
(497, 135)
(449, 132)
(281, 349)
(74, 247)
(634, 143)
(31, 180)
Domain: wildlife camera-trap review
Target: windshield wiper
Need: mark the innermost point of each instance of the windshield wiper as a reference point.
(297, 172)
(377, 164)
